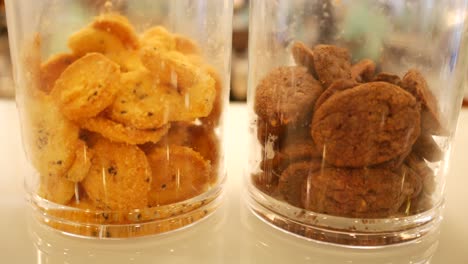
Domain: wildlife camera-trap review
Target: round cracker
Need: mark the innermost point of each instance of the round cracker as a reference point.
(214, 118)
(89, 40)
(82, 163)
(52, 69)
(117, 132)
(119, 177)
(170, 67)
(186, 45)
(56, 189)
(119, 26)
(144, 103)
(87, 86)
(201, 139)
(179, 173)
(158, 37)
(51, 139)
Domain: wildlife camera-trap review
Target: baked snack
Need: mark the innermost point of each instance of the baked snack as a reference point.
(414, 83)
(116, 181)
(363, 71)
(331, 63)
(370, 193)
(99, 131)
(363, 150)
(285, 96)
(367, 125)
(293, 178)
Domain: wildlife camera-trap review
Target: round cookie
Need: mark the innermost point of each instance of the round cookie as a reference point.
(414, 83)
(367, 193)
(303, 56)
(331, 64)
(117, 132)
(334, 88)
(287, 96)
(56, 189)
(50, 139)
(52, 69)
(87, 86)
(363, 71)
(118, 26)
(268, 134)
(367, 125)
(200, 138)
(119, 177)
(82, 163)
(144, 103)
(179, 173)
(388, 77)
(265, 182)
(292, 179)
(427, 148)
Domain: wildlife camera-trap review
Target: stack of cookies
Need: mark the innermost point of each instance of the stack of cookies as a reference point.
(341, 139)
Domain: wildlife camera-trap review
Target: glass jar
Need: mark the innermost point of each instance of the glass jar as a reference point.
(353, 107)
(122, 107)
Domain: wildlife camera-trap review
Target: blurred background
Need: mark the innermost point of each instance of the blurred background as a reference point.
(6, 83)
(356, 34)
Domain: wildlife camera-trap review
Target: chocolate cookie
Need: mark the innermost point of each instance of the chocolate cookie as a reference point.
(334, 88)
(265, 182)
(414, 83)
(331, 64)
(388, 77)
(303, 56)
(292, 179)
(370, 193)
(267, 133)
(427, 148)
(287, 96)
(367, 125)
(300, 150)
(363, 71)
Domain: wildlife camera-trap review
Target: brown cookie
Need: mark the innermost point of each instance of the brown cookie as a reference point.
(368, 193)
(303, 56)
(287, 96)
(267, 133)
(363, 71)
(292, 179)
(334, 88)
(331, 64)
(388, 77)
(423, 201)
(304, 150)
(420, 167)
(367, 125)
(427, 148)
(265, 182)
(414, 83)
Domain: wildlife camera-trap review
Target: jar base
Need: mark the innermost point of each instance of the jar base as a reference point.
(346, 232)
(113, 225)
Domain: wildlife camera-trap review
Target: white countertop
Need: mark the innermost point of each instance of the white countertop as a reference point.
(231, 235)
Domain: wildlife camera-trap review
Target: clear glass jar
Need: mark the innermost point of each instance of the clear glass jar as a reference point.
(353, 108)
(122, 106)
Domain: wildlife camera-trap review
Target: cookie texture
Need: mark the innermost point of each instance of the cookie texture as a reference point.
(367, 125)
(372, 193)
(286, 96)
